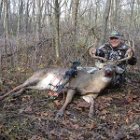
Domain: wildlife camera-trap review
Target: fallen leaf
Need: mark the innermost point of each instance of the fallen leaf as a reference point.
(91, 126)
(28, 109)
(83, 105)
(75, 126)
(104, 112)
(57, 103)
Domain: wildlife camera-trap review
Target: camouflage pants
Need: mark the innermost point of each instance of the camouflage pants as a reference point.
(118, 80)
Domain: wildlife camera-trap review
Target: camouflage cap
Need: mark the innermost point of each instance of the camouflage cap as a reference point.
(115, 34)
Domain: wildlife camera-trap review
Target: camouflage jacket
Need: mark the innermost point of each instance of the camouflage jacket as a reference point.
(115, 53)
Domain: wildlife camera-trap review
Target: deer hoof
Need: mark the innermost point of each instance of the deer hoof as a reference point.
(59, 114)
(90, 115)
(15, 95)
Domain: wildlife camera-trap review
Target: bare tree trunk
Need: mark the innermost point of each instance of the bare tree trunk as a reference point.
(49, 10)
(20, 15)
(27, 17)
(132, 14)
(6, 25)
(38, 21)
(45, 13)
(19, 26)
(1, 7)
(50, 22)
(33, 17)
(114, 18)
(0, 67)
(57, 31)
(116, 13)
(105, 21)
(6, 18)
(96, 12)
(75, 4)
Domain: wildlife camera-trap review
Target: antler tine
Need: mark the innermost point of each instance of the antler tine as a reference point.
(100, 58)
(124, 59)
(129, 55)
(92, 51)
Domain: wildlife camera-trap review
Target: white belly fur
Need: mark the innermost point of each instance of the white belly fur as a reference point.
(106, 79)
(89, 98)
(49, 82)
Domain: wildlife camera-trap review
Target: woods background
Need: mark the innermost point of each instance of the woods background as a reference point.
(38, 33)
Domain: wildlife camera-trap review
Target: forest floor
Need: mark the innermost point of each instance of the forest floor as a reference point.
(32, 115)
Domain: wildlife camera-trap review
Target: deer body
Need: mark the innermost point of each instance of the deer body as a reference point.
(86, 84)
(90, 82)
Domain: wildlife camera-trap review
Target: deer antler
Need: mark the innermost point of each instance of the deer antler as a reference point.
(92, 52)
(100, 58)
(128, 55)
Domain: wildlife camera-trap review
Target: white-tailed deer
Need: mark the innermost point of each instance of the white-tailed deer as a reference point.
(86, 84)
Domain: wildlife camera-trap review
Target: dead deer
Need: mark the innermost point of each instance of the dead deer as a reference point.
(86, 84)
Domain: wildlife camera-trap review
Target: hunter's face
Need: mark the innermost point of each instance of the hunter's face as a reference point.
(114, 41)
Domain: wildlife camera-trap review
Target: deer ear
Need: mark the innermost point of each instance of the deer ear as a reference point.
(119, 70)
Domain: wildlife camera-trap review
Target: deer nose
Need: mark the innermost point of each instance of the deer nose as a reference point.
(108, 72)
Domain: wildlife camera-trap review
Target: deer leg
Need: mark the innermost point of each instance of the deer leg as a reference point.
(90, 98)
(33, 87)
(12, 91)
(92, 107)
(69, 98)
(18, 93)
